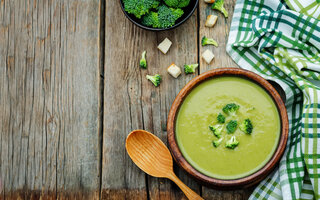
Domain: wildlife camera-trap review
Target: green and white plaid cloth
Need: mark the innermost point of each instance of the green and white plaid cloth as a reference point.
(280, 40)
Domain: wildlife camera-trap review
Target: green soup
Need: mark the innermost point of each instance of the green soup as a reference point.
(200, 109)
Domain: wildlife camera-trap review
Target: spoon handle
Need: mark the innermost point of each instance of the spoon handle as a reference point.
(185, 189)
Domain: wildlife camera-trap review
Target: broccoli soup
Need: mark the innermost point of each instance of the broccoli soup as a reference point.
(227, 127)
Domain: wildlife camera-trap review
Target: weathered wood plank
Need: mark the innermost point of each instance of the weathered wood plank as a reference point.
(132, 102)
(121, 179)
(183, 51)
(49, 94)
(220, 33)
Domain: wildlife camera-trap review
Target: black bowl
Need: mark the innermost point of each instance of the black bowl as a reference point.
(188, 11)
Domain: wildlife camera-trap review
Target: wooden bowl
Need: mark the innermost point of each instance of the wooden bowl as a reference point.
(235, 183)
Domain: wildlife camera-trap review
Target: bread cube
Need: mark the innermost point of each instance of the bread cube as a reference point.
(208, 56)
(211, 20)
(174, 70)
(165, 45)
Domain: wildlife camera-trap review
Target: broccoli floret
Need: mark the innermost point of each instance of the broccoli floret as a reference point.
(246, 126)
(189, 69)
(232, 126)
(217, 142)
(139, 7)
(143, 61)
(207, 41)
(219, 5)
(165, 17)
(183, 3)
(151, 19)
(216, 129)
(177, 3)
(156, 79)
(232, 143)
(221, 118)
(168, 16)
(230, 108)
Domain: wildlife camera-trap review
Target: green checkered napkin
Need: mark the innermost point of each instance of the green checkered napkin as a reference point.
(281, 42)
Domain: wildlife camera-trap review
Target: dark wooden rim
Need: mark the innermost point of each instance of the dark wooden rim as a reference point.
(236, 183)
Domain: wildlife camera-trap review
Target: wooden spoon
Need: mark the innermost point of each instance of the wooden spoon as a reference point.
(152, 156)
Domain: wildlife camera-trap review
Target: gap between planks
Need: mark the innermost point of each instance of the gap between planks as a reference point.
(102, 33)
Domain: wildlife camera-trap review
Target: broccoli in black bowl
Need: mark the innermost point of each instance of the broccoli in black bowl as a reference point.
(158, 14)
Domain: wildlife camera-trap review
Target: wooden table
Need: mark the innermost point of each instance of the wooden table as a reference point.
(71, 90)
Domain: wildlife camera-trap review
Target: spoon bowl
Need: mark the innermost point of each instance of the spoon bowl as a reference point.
(152, 156)
(148, 151)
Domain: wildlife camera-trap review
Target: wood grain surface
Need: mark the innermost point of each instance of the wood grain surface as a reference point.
(71, 90)
(49, 94)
